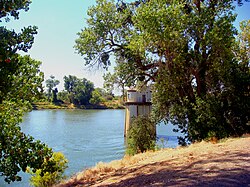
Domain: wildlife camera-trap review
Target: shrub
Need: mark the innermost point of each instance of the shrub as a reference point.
(51, 172)
(141, 136)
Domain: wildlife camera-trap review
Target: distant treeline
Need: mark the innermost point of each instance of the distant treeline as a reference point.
(76, 91)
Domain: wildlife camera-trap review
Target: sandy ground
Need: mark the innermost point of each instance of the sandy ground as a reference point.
(202, 164)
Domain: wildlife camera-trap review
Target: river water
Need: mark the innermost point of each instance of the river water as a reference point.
(85, 137)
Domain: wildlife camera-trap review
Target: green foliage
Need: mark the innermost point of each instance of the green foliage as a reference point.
(96, 97)
(11, 41)
(95, 42)
(21, 79)
(79, 90)
(141, 136)
(108, 84)
(51, 172)
(243, 50)
(204, 94)
(120, 78)
(48, 105)
(188, 49)
(12, 8)
(63, 96)
(51, 83)
(21, 83)
(17, 150)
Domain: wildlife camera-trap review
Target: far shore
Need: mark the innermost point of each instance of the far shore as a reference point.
(48, 105)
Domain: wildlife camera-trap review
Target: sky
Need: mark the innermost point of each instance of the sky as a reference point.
(58, 23)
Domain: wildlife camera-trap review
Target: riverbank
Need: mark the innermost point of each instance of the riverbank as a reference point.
(226, 163)
(48, 105)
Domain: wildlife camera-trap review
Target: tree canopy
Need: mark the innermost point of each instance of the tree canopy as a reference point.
(188, 49)
(79, 90)
(51, 84)
(21, 83)
(11, 8)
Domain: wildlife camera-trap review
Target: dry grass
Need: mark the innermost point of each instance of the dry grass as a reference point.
(204, 163)
(103, 170)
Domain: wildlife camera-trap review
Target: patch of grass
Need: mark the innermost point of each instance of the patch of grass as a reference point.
(48, 105)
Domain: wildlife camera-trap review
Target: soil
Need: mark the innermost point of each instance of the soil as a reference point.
(226, 163)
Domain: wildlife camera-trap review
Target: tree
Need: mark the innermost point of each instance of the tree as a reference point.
(11, 41)
(10, 8)
(107, 34)
(141, 136)
(120, 78)
(96, 96)
(51, 83)
(45, 177)
(187, 49)
(196, 87)
(79, 90)
(21, 79)
(21, 83)
(244, 42)
(63, 96)
(108, 84)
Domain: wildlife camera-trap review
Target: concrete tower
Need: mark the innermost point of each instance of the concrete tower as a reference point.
(138, 103)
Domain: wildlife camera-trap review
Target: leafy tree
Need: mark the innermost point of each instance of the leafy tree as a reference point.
(21, 83)
(107, 34)
(198, 80)
(63, 96)
(96, 96)
(51, 83)
(187, 48)
(11, 41)
(244, 42)
(21, 79)
(119, 79)
(12, 8)
(195, 84)
(79, 90)
(108, 84)
(46, 176)
(70, 82)
(141, 136)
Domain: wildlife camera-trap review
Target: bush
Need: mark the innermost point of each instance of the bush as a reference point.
(141, 136)
(51, 172)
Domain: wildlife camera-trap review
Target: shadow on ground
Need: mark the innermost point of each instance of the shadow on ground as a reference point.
(217, 166)
(218, 170)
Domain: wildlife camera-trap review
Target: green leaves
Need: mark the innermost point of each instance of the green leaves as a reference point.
(50, 84)
(22, 79)
(21, 83)
(79, 90)
(141, 136)
(105, 33)
(51, 171)
(96, 97)
(17, 150)
(11, 41)
(12, 8)
(188, 49)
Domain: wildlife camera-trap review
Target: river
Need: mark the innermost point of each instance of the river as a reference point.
(85, 137)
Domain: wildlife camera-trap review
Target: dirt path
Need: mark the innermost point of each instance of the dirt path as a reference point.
(201, 164)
